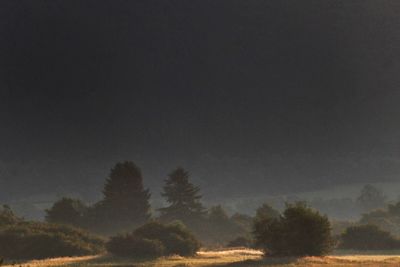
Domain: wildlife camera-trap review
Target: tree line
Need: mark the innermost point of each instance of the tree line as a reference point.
(126, 205)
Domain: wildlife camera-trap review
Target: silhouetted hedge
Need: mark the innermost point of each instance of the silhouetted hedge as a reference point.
(30, 240)
(174, 239)
(368, 237)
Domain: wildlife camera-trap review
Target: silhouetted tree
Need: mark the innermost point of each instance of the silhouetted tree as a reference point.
(218, 215)
(243, 220)
(299, 231)
(183, 197)
(67, 211)
(126, 202)
(266, 212)
(7, 216)
(387, 219)
(371, 198)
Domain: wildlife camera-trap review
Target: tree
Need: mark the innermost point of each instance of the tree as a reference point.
(183, 197)
(368, 237)
(218, 215)
(7, 216)
(299, 231)
(262, 223)
(266, 212)
(371, 198)
(126, 202)
(67, 211)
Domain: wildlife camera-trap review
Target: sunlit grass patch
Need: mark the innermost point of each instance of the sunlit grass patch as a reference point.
(236, 257)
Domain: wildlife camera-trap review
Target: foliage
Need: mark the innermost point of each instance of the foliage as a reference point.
(299, 231)
(218, 215)
(126, 202)
(29, 240)
(263, 223)
(67, 211)
(183, 198)
(219, 227)
(174, 236)
(386, 219)
(244, 221)
(368, 237)
(266, 212)
(7, 216)
(156, 239)
(132, 246)
(371, 198)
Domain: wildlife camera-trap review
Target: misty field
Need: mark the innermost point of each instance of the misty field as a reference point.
(222, 258)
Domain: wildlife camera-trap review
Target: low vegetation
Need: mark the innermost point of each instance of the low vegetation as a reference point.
(28, 240)
(155, 239)
(368, 237)
(299, 231)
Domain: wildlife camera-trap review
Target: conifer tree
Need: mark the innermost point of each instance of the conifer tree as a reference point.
(125, 202)
(183, 197)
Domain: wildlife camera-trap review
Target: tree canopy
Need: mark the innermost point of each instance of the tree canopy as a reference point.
(183, 197)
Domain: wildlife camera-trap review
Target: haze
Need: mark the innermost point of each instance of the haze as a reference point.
(261, 98)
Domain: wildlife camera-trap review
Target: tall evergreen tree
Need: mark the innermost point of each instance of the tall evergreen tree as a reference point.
(183, 197)
(125, 202)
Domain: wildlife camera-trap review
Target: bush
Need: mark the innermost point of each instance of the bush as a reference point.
(300, 231)
(131, 246)
(156, 239)
(175, 237)
(368, 237)
(41, 240)
(240, 242)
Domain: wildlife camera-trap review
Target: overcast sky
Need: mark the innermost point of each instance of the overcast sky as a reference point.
(265, 96)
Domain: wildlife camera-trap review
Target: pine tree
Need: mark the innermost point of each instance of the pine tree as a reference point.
(183, 197)
(125, 202)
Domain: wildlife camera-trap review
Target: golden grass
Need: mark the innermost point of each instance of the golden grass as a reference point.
(223, 258)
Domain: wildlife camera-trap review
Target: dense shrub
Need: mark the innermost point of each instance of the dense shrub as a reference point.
(131, 246)
(299, 231)
(157, 239)
(175, 237)
(368, 237)
(41, 240)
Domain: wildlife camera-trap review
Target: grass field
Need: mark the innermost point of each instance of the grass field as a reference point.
(222, 258)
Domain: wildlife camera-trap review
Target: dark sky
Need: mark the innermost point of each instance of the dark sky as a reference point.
(251, 96)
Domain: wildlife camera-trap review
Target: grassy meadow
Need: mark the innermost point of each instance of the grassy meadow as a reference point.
(222, 258)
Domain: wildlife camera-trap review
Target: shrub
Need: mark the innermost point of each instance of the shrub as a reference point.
(131, 246)
(41, 240)
(175, 237)
(240, 242)
(368, 237)
(155, 239)
(299, 231)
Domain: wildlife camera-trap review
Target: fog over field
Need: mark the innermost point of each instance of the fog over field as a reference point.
(258, 98)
